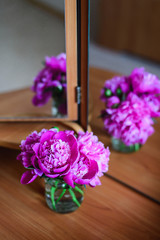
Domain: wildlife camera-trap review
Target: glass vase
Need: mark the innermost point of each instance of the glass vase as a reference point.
(61, 197)
(59, 108)
(119, 146)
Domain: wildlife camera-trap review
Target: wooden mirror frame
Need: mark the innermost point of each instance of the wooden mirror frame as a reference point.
(77, 42)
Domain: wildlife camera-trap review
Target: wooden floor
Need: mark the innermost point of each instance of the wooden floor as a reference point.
(125, 206)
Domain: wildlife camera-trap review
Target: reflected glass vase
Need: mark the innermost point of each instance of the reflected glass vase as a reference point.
(61, 197)
(59, 108)
(59, 102)
(119, 146)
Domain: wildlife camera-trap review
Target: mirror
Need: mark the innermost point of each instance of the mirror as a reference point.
(33, 63)
(124, 36)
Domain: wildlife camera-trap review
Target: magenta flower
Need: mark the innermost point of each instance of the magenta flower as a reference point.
(131, 121)
(27, 155)
(56, 153)
(50, 81)
(50, 153)
(117, 86)
(153, 103)
(53, 154)
(144, 82)
(92, 162)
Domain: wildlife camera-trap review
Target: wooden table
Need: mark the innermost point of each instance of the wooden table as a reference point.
(109, 211)
(118, 209)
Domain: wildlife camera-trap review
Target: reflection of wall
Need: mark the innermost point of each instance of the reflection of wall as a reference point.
(28, 34)
(129, 25)
(56, 4)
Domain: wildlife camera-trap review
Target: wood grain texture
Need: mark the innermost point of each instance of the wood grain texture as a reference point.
(109, 211)
(11, 134)
(140, 169)
(71, 51)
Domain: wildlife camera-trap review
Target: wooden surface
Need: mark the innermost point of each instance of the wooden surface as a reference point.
(11, 133)
(18, 103)
(71, 52)
(109, 211)
(140, 169)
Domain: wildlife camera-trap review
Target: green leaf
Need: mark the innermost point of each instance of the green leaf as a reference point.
(61, 195)
(74, 197)
(78, 190)
(56, 128)
(30, 167)
(53, 189)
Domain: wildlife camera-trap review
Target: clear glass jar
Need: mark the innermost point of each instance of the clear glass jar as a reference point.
(59, 108)
(61, 197)
(119, 146)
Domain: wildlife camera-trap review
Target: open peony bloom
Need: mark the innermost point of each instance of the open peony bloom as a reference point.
(52, 76)
(144, 82)
(92, 162)
(130, 104)
(53, 154)
(131, 121)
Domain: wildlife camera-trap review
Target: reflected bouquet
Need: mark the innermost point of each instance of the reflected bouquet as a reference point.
(66, 161)
(131, 103)
(51, 83)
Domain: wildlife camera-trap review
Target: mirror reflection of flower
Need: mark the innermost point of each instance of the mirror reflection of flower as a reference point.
(51, 83)
(131, 104)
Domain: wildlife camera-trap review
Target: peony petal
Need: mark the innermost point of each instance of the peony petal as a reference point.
(68, 179)
(38, 172)
(82, 181)
(61, 169)
(28, 177)
(47, 136)
(36, 149)
(93, 169)
(52, 175)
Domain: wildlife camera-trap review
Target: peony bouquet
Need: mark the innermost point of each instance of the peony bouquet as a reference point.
(131, 104)
(66, 161)
(51, 83)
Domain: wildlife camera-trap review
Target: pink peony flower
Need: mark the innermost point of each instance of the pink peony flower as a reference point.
(50, 78)
(130, 122)
(56, 153)
(153, 103)
(144, 82)
(92, 162)
(53, 154)
(27, 155)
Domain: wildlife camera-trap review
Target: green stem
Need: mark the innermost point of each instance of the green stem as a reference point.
(53, 189)
(61, 195)
(137, 147)
(78, 190)
(74, 197)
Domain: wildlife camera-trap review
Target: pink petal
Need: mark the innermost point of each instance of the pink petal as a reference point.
(28, 177)
(68, 179)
